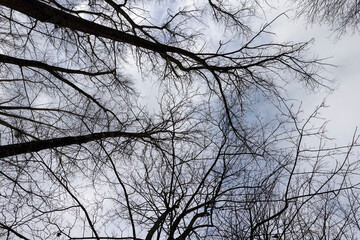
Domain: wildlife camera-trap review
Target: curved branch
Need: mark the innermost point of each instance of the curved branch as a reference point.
(31, 63)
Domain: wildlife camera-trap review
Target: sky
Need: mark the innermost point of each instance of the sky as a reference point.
(343, 111)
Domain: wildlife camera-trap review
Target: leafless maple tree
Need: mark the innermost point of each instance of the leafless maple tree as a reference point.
(82, 158)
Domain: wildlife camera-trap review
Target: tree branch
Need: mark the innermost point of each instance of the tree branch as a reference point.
(35, 146)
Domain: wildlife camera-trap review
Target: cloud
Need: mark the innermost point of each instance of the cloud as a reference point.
(343, 112)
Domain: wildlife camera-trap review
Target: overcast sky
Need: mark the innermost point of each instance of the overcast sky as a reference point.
(343, 112)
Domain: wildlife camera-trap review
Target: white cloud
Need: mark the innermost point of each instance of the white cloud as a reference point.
(343, 112)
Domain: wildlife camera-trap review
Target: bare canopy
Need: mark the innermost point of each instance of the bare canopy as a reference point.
(223, 152)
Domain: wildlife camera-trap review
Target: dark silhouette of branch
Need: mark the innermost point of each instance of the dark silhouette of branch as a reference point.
(35, 146)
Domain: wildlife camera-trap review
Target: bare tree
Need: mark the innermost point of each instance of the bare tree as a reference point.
(342, 16)
(82, 158)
